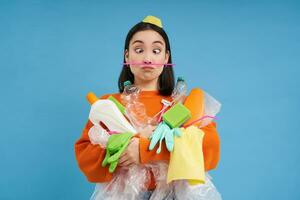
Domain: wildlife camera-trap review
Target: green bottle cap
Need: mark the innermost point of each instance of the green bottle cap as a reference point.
(180, 78)
(126, 83)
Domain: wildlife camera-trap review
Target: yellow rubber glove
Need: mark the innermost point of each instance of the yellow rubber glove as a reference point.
(186, 161)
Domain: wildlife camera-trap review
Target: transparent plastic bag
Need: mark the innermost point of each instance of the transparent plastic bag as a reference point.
(127, 184)
(162, 190)
(211, 109)
(98, 135)
(130, 184)
(206, 191)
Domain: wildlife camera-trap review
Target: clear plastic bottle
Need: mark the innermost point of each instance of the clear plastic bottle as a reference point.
(135, 110)
(130, 93)
(179, 92)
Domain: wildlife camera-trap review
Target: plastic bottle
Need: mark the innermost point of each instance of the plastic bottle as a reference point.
(130, 93)
(179, 92)
(135, 110)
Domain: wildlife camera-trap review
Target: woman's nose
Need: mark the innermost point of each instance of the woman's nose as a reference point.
(147, 58)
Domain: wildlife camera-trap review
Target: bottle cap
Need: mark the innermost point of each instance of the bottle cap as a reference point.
(180, 78)
(126, 83)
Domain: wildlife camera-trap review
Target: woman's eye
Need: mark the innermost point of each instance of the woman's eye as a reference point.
(138, 50)
(156, 51)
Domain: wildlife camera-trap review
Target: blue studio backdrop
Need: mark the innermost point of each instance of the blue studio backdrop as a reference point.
(244, 53)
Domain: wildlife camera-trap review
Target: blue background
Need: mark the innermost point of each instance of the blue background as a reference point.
(244, 53)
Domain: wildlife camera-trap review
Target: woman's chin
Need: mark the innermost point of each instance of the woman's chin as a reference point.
(146, 78)
(149, 78)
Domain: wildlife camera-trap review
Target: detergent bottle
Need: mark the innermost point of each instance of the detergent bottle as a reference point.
(179, 92)
(135, 110)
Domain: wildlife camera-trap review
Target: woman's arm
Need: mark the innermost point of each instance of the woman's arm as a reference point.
(211, 149)
(211, 146)
(147, 156)
(89, 158)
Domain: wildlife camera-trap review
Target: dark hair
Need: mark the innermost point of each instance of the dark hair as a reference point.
(166, 78)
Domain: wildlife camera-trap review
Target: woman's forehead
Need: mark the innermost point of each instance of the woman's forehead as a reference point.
(147, 37)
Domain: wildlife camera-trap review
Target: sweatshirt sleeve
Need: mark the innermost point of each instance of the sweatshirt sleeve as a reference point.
(211, 146)
(211, 149)
(89, 157)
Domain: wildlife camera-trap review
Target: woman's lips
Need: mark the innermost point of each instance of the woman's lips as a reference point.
(147, 67)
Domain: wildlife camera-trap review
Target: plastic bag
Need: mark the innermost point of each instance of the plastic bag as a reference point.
(126, 184)
(211, 109)
(98, 135)
(130, 184)
(205, 191)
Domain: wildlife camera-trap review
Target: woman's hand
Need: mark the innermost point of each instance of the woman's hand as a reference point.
(147, 131)
(131, 155)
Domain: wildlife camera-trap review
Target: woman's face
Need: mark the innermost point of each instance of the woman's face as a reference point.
(145, 48)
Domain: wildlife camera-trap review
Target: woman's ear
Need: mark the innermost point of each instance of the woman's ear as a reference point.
(126, 55)
(167, 57)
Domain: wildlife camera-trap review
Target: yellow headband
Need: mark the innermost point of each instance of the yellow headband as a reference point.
(153, 20)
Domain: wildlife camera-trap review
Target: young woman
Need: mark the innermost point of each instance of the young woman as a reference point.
(147, 58)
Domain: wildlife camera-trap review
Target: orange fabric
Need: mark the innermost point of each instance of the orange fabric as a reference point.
(196, 109)
(211, 146)
(89, 157)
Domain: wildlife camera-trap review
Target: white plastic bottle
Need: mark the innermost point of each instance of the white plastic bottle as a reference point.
(135, 110)
(179, 92)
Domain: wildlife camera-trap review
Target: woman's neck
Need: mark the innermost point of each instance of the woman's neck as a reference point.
(150, 85)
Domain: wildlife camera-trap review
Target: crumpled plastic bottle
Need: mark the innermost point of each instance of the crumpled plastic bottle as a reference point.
(179, 92)
(135, 110)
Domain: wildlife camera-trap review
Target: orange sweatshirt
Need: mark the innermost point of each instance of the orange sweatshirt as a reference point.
(90, 157)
